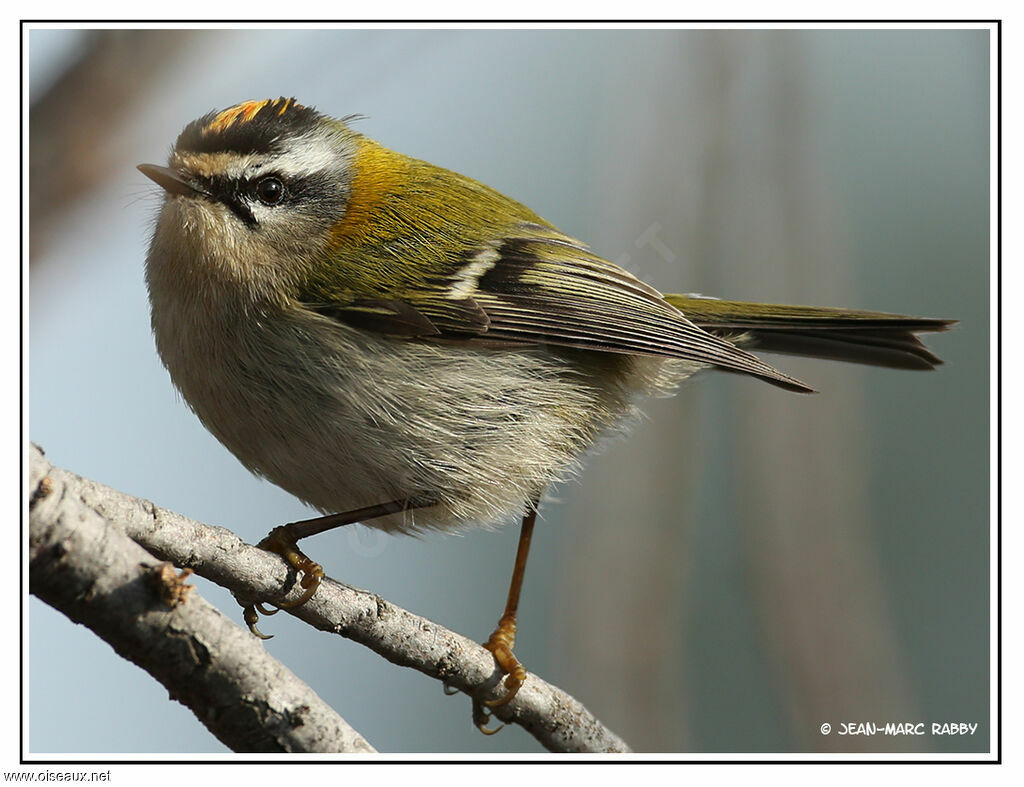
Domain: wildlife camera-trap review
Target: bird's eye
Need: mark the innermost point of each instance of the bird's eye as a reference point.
(270, 191)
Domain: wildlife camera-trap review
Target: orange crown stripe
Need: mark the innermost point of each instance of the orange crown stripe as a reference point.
(245, 112)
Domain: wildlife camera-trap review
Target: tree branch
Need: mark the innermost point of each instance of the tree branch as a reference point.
(558, 721)
(96, 575)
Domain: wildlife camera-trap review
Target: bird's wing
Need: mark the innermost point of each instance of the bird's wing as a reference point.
(538, 286)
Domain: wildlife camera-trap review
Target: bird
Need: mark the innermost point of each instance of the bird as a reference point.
(400, 345)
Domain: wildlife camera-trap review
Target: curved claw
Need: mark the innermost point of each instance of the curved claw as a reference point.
(448, 690)
(500, 645)
(488, 730)
(251, 617)
(281, 542)
(512, 683)
(312, 575)
(481, 716)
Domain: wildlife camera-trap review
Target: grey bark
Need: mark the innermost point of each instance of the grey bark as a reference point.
(70, 514)
(96, 575)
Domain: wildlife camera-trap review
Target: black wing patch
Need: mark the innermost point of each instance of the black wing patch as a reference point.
(387, 316)
(553, 290)
(545, 288)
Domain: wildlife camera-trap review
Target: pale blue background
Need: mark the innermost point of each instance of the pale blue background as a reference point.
(897, 165)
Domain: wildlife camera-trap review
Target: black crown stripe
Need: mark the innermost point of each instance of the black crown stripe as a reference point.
(251, 127)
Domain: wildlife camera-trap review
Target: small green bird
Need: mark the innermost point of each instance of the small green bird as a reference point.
(398, 344)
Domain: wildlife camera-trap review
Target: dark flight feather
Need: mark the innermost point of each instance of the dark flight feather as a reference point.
(541, 287)
(875, 338)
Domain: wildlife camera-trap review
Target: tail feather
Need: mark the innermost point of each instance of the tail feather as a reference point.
(875, 338)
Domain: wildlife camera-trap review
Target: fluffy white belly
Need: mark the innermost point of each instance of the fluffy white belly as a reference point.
(343, 418)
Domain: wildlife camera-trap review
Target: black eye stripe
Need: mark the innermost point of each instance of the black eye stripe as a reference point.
(298, 187)
(224, 189)
(313, 194)
(231, 193)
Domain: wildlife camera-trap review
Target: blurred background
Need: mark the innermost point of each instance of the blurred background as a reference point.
(751, 564)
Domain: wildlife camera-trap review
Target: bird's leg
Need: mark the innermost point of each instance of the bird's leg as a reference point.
(503, 639)
(283, 540)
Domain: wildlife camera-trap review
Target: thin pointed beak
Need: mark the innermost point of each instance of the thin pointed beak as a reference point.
(169, 180)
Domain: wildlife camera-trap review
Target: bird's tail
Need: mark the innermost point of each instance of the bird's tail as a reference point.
(875, 338)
